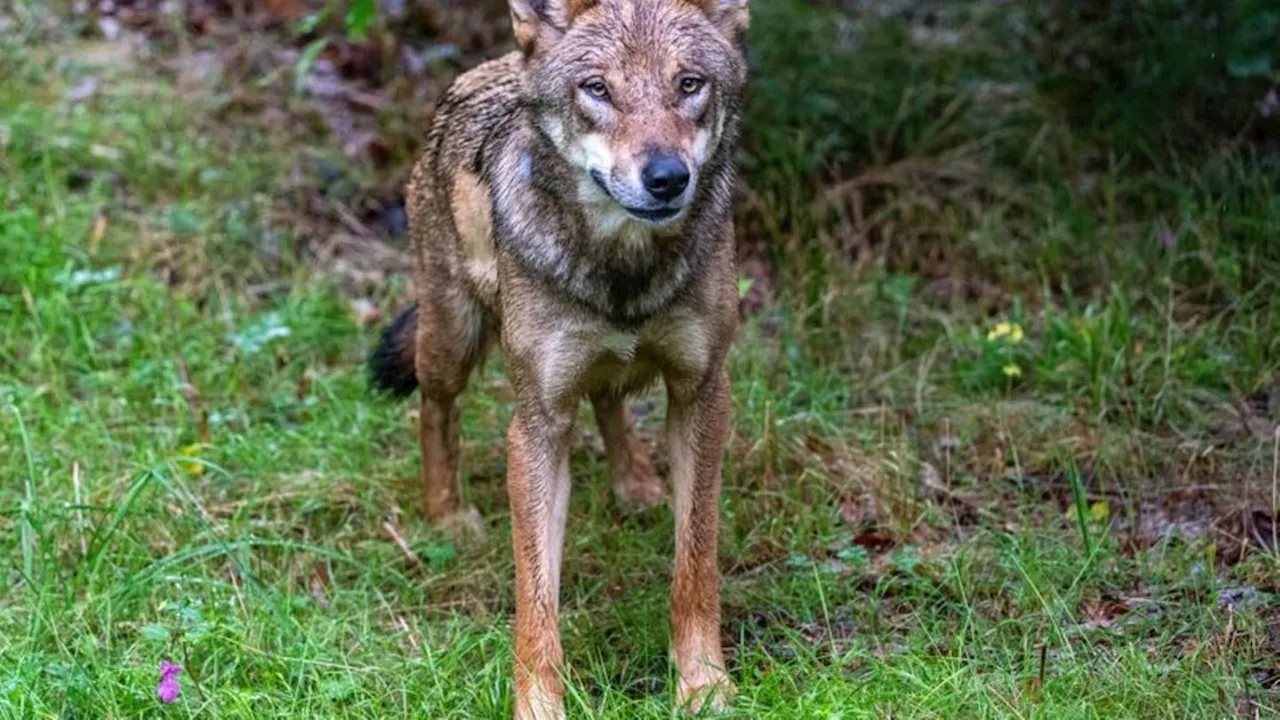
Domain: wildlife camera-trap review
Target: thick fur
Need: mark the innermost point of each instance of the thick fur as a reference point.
(535, 227)
(391, 362)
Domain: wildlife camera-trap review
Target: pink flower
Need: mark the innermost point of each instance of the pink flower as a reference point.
(168, 689)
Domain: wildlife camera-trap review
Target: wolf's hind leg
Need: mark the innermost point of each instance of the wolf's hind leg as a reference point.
(635, 484)
(450, 345)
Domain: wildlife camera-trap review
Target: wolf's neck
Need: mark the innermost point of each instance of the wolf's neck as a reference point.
(565, 234)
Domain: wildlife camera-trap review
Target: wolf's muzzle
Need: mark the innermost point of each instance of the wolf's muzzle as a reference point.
(665, 176)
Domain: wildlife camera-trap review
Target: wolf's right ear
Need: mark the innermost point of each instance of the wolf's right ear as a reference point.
(539, 23)
(731, 16)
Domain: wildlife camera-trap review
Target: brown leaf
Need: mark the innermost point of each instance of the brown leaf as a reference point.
(319, 584)
(304, 384)
(1096, 614)
(99, 229)
(285, 11)
(855, 512)
(875, 540)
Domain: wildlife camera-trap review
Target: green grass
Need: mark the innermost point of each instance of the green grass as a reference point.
(193, 468)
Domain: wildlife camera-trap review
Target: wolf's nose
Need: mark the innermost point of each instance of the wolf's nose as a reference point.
(665, 177)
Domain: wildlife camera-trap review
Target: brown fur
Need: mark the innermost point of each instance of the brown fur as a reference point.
(534, 227)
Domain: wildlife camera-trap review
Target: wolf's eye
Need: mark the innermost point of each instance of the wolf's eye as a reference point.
(596, 88)
(690, 84)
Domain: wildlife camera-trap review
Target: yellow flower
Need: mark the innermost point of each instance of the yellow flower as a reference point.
(1012, 371)
(1013, 331)
(192, 468)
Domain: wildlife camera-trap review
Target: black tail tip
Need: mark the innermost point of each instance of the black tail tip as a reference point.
(391, 365)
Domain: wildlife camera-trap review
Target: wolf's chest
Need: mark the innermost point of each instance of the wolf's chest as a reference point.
(583, 358)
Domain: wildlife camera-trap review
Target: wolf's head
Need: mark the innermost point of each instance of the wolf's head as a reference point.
(634, 94)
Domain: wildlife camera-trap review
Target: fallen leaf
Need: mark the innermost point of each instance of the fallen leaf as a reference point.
(365, 312)
(285, 11)
(106, 152)
(854, 512)
(99, 229)
(319, 584)
(1102, 613)
(86, 88)
(304, 384)
(931, 479)
(875, 540)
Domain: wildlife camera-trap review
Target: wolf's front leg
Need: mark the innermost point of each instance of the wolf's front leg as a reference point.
(538, 486)
(697, 424)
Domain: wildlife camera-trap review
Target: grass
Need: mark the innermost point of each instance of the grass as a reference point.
(925, 514)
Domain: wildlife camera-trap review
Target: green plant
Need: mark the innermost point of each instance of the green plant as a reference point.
(356, 23)
(359, 17)
(1255, 43)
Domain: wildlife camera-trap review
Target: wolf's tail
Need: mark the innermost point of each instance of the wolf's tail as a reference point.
(391, 366)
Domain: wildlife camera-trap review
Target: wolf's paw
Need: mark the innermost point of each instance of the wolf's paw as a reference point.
(639, 490)
(539, 705)
(710, 696)
(463, 525)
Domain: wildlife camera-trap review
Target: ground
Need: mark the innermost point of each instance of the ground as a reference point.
(1005, 399)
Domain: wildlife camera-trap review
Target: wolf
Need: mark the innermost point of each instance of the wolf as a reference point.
(572, 205)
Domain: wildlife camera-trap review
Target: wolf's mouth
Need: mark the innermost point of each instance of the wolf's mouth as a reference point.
(653, 215)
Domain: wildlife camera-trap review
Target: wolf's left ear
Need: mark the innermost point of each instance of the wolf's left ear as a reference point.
(539, 23)
(730, 16)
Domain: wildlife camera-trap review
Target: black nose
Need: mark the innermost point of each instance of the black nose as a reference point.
(665, 177)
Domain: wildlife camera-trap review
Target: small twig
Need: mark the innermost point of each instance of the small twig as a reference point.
(186, 659)
(235, 585)
(195, 680)
(408, 632)
(1229, 634)
(349, 220)
(946, 451)
(79, 496)
(1044, 651)
(410, 556)
(1275, 491)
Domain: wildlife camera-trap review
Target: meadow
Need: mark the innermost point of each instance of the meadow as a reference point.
(1006, 393)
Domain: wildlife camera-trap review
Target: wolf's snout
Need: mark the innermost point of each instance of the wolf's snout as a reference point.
(665, 176)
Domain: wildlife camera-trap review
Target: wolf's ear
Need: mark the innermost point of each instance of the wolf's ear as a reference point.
(539, 23)
(730, 16)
